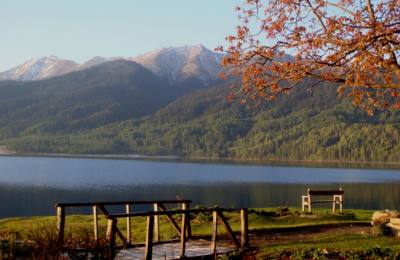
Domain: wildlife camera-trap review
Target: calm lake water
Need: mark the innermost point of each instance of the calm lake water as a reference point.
(32, 185)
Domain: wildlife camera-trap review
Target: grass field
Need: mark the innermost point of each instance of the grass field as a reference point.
(260, 218)
(274, 232)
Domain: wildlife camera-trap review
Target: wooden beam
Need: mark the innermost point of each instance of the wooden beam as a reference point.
(149, 238)
(183, 235)
(104, 210)
(60, 225)
(95, 224)
(128, 224)
(334, 204)
(156, 224)
(174, 212)
(325, 192)
(214, 230)
(186, 206)
(228, 229)
(244, 228)
(341, 201)
(109, 203)
(111, 230)
(121, 236)
(119, 233)
(170, 218)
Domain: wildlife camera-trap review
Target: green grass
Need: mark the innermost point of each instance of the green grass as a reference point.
(268, 219)
(260, 218)
(330, 243)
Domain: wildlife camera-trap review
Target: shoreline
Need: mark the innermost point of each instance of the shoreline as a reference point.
(4, 152)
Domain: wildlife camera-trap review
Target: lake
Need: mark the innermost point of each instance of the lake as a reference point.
(32, 185)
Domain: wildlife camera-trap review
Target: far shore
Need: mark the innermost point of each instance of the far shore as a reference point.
(5, 151)
(277, 162)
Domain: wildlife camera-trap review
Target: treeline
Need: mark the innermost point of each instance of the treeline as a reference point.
(302, 126)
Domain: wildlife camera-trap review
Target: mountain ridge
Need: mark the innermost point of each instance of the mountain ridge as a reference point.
(177, 64)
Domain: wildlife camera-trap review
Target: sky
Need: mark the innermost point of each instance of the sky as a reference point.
(81, 29)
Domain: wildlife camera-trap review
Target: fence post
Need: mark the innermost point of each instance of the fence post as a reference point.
(244, 228)
(183, 234)
(60, 225)
(95, 224)
(156, 224)
(111, 232)
(149, 238)
(128, 224)
(214, 231)
(188, 227)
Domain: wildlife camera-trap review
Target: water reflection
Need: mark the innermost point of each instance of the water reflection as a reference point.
(16, 200)
(32, 185)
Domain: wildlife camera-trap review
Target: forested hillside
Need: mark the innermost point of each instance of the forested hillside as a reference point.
(103, 94)
(301, 126)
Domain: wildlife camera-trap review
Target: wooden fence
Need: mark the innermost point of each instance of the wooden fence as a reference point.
(157, 206)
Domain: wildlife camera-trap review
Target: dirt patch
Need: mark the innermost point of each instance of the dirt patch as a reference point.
(265, 237)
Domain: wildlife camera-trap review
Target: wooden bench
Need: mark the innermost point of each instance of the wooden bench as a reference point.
(337, 198)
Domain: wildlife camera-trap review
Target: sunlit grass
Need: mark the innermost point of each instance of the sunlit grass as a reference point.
(260, 218)
(268, 219)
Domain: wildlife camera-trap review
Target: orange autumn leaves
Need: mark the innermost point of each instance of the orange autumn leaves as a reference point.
(355, 44)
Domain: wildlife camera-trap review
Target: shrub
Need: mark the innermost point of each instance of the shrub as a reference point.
(42, 243)
(317, 253)
(381, 230)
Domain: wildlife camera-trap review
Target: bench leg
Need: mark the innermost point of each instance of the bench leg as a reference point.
(334, 206)
(302, 206)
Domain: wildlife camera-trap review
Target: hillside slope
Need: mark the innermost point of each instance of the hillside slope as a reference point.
(301, 126)
(111, 92)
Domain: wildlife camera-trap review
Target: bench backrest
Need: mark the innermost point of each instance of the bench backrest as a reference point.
(325, 192)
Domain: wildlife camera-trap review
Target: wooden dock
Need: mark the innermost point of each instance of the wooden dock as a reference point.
(195, 248)
(186, 247)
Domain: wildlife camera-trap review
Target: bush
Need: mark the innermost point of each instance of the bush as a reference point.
(381, 230)
(311, 253)
(42, 243)
(317, 253)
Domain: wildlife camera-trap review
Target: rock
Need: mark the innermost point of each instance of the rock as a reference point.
(383, 217)
(395, 221)
(395, 229)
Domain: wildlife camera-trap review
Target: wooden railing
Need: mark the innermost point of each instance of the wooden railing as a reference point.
(157, 206)
(217, 213)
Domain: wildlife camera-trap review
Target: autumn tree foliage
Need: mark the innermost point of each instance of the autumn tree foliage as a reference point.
(356, 44)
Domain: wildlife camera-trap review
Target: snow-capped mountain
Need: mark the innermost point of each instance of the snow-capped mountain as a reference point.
(47, 67)
(35, 69)
(175, 64)
(180, 63)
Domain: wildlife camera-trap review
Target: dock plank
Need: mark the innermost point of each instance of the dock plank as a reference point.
(194, 248)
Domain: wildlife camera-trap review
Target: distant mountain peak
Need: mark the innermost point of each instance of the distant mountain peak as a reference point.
(39, 68)
(181, 63)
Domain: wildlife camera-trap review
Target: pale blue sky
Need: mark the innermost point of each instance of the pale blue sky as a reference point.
(81, 29)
